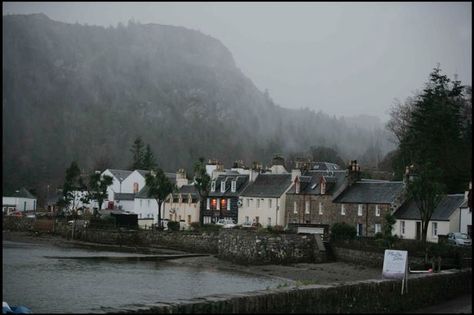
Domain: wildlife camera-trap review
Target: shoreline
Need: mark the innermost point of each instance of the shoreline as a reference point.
(292, 274)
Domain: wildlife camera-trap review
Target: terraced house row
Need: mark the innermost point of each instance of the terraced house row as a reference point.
(308, 200)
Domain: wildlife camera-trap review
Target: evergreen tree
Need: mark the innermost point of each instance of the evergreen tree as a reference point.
(98, 188)
(201, 182)
(435, 132)
(137, 154)
(149, 161)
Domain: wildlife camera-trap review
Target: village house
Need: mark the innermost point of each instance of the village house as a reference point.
(20, 200)
(309, 206)
(465, 224)
(223, 198)
(263, 201)
(364, 203)
(182, 206)
(446, 218)
(118, 176)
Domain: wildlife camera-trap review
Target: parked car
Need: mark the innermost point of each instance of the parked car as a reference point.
(16, 214)
(459, 239)
(247, 224)
(226, 223)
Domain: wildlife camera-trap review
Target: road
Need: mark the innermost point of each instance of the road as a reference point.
(460, 305)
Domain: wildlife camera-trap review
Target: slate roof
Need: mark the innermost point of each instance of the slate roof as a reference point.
(124, 196)
(443, 211)
(171, 176)
(309, 182)
(268, 185)
(22, 193)
(143, 193)
(322, 166)
(188, 189)
(120, 173)
(370, 191)
(242, 181)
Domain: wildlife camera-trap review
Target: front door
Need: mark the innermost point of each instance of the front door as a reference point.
(418, 230)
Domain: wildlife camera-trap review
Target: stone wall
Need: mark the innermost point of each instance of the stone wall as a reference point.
(374, 259)
(200, 242)
(18, 223)
(369, 296)
(251, 247)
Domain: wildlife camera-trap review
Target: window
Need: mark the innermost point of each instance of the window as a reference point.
(323, 188)
(377, 211)
(257, 220)
(359, 229)
(180, 218)
(135, 187)
(269, 203)
(248, 202)
(189, 219)
(258, 203)
(269, 221)
(213, 185)
(228, 204)
(148, 202)
(208, 205)
(247, 219)
(343, 210)
(321, 208)
(359, 210)
(402, 227)
(434, 226)
(223, 186)
(213, 203)
(378, 228)
(306, 207)
(141, 203)
(295, 207)
(223, 203)
(234, 185)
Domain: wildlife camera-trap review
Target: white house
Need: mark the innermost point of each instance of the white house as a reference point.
(20, 200)
(445, 219)
(465, 220)
(263, 201)
(118, 177)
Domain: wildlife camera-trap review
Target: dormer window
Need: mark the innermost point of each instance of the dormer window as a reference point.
(213, 185)
(297, 185)
(323, 187)
(222, 186)
(234, 186)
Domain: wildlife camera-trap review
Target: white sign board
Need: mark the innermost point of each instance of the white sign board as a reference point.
(395, 264)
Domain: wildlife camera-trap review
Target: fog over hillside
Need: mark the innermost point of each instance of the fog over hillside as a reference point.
(77, 92)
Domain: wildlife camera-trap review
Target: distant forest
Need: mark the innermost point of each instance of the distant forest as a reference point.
(84, 93)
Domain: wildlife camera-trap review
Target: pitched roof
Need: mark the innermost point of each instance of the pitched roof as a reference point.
(310, 182)
(22, 193)
(268, 185)
(120, 174)
(241, 183)
(442, 212)
(370, 191)
(124, 196)
(321, 166)
(171, 176)
(143, 193)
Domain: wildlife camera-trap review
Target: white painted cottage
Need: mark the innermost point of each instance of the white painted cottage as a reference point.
(20, 200)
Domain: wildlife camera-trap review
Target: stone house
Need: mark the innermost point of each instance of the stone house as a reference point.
(182, 206)
(309, 205)
(222, 201)
(365, 203)
(263, 201)
(446, 218)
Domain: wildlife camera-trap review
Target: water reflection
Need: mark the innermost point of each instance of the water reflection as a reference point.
(83, 285)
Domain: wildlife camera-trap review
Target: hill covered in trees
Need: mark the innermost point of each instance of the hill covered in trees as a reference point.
(78, 92)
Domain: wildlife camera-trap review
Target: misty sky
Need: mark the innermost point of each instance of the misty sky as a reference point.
(341, 58)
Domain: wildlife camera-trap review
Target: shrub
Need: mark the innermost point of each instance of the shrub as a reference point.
(277, 229)
(211, 227)
(378, 235)
(173, 225)
(343, 231)
(195, 225)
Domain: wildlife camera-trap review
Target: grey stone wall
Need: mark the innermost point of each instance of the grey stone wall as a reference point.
(18, 223)
(251, 247)
(369, 296)
(360, 257)
(201, 242)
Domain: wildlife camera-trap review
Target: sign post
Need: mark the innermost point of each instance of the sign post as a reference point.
(395, 266)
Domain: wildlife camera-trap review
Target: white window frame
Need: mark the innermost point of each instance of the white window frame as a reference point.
(359, 210)
(295, 207)
(208, 204)
(269, 202)
(320, 208)
(343, 209)
(379, 229)
(402, 227)
(306, 207)
(258, 202)
(222, 186)
(233, 185)
(148, 203)
(247, 220)
(228, 204)
(269, 220)
(141, 202)
(248, 202)
(434, 228)
(357, 228)
(377, 211)
(213, 185)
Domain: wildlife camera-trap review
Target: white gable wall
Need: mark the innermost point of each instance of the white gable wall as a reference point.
(21, 204)
(114, 188)
(146, 208)
(128, 183)
(466, 219)
(410, 229)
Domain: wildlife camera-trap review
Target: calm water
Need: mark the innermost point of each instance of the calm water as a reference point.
(80, 285)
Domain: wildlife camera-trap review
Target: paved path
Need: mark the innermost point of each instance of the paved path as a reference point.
(459, 305)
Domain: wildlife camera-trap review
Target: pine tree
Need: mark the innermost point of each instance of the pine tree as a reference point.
(149, 161)
(137, 154)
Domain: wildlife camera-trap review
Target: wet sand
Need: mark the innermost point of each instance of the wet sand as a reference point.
(299, 274)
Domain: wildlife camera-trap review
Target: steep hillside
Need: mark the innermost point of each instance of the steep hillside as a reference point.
(76, 92)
